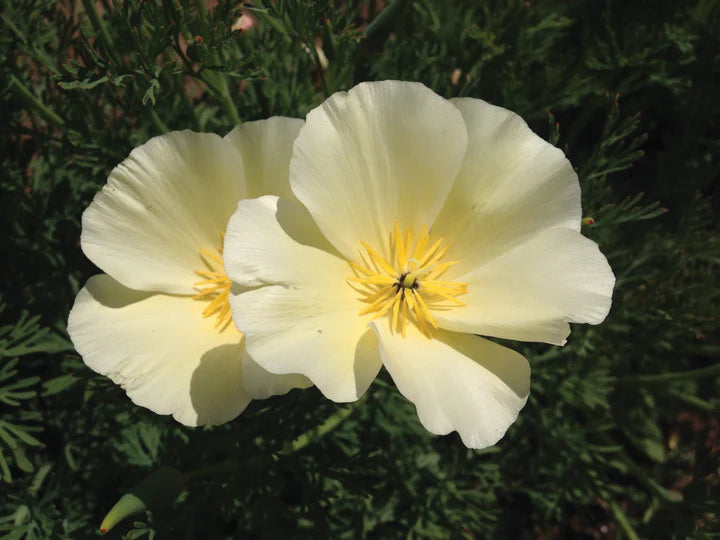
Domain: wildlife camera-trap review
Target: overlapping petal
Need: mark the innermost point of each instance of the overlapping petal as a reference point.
(307, 330)
(458, 382)
(170, 198)
(381, 153)
(161, 350)
(306, 319)
(271, 240)
(266, 147)
(512, 185)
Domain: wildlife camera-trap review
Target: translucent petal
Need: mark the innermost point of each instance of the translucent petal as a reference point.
(458, 382)
(261, 384)
(170, 198)
(271, 240)
(383, 152)
(512, 185)
(531, 292)
(161, 350)
(266, 147)
(308, 323)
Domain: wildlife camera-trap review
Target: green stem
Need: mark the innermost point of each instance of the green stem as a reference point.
(383, 23)
(180, 88)
(706, 350)
(672, 376)
(262, 12)
(24, 93)
(223, 96)
(320, 431)
(221, 89)
(623, 521)
(202, 11)
(696, 402)
(101, 29)
(547, 355)
(159, 124)
(307, 438)
(221, 92)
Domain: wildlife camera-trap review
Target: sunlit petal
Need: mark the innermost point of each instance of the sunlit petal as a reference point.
(382, 152)
(171, 197)
(458, 382)
(161, 351)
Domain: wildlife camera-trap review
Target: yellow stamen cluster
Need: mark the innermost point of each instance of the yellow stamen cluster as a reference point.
(407, 284)
(215, 287)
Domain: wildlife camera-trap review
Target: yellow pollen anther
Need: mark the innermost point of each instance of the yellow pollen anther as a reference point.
(215, 286)
(406, 284)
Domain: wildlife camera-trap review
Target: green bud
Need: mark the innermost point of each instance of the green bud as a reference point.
(159, 490)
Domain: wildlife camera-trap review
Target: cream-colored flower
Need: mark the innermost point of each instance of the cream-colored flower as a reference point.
(158, 321)
(422, 222)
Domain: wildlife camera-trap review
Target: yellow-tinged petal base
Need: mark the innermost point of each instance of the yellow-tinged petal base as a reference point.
(406, 286)
(215, 287)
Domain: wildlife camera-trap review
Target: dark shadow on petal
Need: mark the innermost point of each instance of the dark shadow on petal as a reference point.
(236, 288)
(111, 293)
(216, 389)
(367, 361)
(299, 225)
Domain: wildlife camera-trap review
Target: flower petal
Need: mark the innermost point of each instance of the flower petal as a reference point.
(309, 324)
(383, 152)
(261, 384)
(170, 198)
(271, 240)
(309, 331)
(161, 350)
(531, 292)
(458, 382)
(512, 184)
(290, 330)
(266, 147)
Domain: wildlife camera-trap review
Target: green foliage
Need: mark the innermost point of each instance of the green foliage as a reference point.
(620, 437)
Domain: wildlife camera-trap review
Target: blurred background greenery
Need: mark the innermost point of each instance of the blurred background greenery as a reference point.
(621, 436)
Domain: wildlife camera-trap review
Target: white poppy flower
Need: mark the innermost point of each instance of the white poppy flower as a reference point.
(422, 222)
(158, 321)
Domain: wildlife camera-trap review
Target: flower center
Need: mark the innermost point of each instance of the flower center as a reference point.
(406, 285)
(215, 287)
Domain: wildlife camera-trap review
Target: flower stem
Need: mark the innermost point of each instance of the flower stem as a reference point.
(622, 520)
(307, 438)
(547, 355)
(24, 93)
(222, 94)
(382, 25)
(672, 376)
(159, 124)
(101, 29)
(180, 88)
(262, 13)
(320, 431)
(217, 82)
(696, 402)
